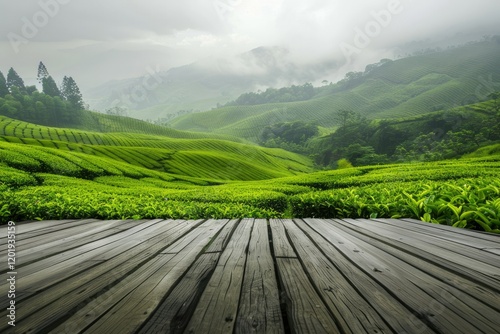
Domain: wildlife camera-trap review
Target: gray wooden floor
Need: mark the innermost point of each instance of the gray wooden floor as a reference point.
(253, 276)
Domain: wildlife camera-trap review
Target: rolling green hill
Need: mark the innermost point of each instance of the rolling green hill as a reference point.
(93, 121)
(91, 154)
(390, 89)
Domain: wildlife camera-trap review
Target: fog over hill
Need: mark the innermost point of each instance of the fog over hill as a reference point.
(164, 45)
(202, 85)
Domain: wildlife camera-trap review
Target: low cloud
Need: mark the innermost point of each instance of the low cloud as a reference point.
(97, 41)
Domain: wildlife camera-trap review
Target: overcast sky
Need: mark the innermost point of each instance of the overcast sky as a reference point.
(98, 41)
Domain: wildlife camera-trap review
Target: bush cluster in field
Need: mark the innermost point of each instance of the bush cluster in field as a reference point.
(471, 203)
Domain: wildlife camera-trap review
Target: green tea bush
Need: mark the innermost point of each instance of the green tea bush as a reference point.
(13, 178)
(470, 203)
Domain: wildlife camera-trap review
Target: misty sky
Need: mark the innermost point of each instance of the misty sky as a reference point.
(98, 41)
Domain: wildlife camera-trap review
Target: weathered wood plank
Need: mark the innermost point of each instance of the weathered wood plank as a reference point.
(305, 310)
(142, 292)
(456, 243)
(29, 253)
(281, 245)
(54, 268)
(217, 309)
(58, 233)
(443, 306)
(476, 270)
(173, 315)
(453, 230)
(401, 319)
(220, 243)
(352, 312)
(259, 310)
(67, 297)
(25, 231)
(175, 312)
(493, 250)
(217, 276)
(472, 239)
(22, 227)
(35, 232)
(482, 292)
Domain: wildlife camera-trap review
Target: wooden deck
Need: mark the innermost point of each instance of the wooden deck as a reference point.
(253, 276)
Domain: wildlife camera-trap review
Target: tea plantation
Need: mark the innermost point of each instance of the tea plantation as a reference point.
(50, 173)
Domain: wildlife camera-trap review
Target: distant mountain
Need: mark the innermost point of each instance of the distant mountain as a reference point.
(390, 89)
(202, 85)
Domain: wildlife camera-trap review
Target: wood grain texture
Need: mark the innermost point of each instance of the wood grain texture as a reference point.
(259, 308)
(281, 245)
(401, 319)
(443, 306)
(218, 306)
(141, 296)
(352, 312)
(66, 297)
(173, 315)
(254, 276)
(474, 270)
(305, 310)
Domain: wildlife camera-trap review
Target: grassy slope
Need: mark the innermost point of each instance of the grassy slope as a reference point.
(93, 121)
(211, 159)
(485, 151)
(402, 88)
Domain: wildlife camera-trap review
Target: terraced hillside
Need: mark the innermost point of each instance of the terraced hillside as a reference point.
(391, 89)
(89, 154)
(93, 121)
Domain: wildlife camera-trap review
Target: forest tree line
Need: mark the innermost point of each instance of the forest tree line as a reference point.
(54, 105)
(359, 141)
(272, 95)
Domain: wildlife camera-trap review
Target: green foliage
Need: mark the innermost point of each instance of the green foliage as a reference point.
(343, 164)
(467, 203)
(485, 151)
(435, 136)
(344, 117)
(292, 136)
(71, 93)
(89, 155)
(294, 132)
(43, 73)
(3, 86)
(38, 108)
(52, 107)
(462, 193)
(14, 178)
(14, 80)
(50, 87)
(273, 95)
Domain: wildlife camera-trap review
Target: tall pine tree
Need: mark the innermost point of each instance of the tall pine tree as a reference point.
(14, 80)
(50, 87)
(3, 85)
(42, 73)
(71, 93)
